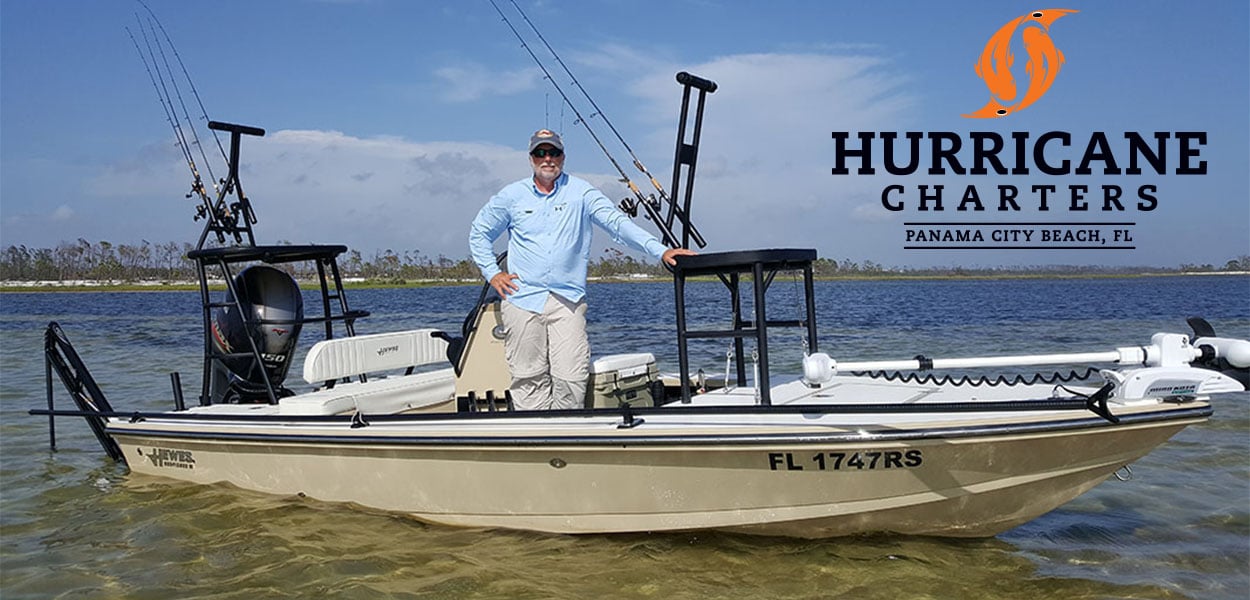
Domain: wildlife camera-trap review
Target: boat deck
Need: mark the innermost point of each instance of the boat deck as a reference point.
(847, 407)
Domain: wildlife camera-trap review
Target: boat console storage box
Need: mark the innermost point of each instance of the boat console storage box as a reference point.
(621, 379)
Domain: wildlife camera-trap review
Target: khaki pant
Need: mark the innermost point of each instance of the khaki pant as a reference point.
(548, 354)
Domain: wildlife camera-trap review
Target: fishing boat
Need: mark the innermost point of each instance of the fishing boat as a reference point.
(420, 422)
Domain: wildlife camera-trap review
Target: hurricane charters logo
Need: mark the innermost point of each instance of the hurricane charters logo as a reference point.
(1044, 62)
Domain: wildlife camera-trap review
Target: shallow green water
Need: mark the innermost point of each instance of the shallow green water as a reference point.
(75, 525)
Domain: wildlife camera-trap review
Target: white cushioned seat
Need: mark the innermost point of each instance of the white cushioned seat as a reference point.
(376, 396)
(346, 357)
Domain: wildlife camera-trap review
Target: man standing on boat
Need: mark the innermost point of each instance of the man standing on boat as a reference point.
(548, 219)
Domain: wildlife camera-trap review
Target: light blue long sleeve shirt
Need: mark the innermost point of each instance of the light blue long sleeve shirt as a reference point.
(549, 237)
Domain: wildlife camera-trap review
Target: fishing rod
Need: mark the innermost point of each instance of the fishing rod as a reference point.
(173, 82)
(222, 217)
(194, 92)
(669, 239)
(599, 112)
(160, 97)
(171, 115)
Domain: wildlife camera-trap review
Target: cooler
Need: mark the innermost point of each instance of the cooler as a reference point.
(621, 379)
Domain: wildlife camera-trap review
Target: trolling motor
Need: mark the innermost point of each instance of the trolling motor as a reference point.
(1227, 356)
(1172, 365)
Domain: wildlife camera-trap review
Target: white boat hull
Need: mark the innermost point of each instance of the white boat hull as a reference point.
(786, 475)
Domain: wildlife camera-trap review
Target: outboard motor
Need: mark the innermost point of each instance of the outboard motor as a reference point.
(273, 312)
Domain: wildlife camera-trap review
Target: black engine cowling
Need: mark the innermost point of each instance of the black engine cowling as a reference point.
(272, 314)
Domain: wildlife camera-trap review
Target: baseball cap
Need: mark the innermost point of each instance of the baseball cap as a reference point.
(545, 136)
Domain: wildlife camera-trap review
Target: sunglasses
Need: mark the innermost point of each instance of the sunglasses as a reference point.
(545, 152)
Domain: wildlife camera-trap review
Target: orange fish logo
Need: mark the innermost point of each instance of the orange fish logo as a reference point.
(994, 66)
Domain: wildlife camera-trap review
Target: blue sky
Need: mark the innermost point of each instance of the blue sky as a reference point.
(391, 122)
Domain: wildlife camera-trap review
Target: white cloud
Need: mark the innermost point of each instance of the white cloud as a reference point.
(62, 213)
(617, 58)
(311, 186)
(765, 145)
(766, 150)
(872, 213)
(416, 195)
(468, 82)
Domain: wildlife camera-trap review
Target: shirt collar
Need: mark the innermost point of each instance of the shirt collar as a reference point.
(560, 181)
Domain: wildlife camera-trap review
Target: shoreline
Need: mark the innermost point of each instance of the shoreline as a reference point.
(18, 287)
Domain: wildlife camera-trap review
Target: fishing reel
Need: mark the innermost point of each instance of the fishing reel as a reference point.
(629, 206)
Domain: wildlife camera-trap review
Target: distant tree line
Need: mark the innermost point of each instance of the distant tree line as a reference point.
(105, 261)
(100, 261)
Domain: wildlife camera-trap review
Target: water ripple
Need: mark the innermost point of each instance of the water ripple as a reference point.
(75, 525)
